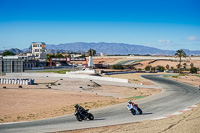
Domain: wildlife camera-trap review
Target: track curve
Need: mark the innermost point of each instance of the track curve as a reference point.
(174, 97)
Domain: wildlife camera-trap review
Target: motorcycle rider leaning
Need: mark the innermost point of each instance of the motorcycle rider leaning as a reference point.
(80, 109)
(130, 102)
(133, 104)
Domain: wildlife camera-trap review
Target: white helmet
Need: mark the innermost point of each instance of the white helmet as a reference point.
(129, 101)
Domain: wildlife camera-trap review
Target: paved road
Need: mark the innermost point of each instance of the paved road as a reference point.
(126, 62)
(174, 97)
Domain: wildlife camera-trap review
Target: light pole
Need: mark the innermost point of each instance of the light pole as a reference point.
(2, 62)
(11, 68)
(1, 66)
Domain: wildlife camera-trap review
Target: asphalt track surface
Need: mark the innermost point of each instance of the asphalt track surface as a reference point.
(174, 97)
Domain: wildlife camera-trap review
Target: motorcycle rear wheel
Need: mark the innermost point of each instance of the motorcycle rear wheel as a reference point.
(140, 111)
(133, 112)
(90, 116)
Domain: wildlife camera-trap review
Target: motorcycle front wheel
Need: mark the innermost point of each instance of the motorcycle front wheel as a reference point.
(78, 117)
(140, 111)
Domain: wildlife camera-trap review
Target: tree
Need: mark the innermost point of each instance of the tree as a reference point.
(178, 66)
(91, 52)
(193, 70)
(147, 68)
(172, 68)
(160, 68)
(7, 52)
(167, 66)
(184, 65)
(180, 53)
(59, 55)
(153, 69)
(191, 65)
(49, 56)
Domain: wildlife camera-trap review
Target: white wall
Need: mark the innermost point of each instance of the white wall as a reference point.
(66, 75)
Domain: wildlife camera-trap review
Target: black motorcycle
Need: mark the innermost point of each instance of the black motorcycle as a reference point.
(84, 116)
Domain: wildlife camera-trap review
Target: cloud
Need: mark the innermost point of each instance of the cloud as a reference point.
(193, 38)
(164, 41)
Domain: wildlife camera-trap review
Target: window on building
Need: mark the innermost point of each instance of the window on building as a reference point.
(37, 50)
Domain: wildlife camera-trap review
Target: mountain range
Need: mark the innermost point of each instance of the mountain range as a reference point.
(115, 48)
(108, 48)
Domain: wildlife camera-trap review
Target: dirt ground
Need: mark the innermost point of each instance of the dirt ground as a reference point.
(38, 102)
(98, 61)
(144, 63)
(187, 122)
(192, 79)
(33, 102)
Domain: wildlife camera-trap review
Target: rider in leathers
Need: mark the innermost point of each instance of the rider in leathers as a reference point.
(131, 103)
(80, 109)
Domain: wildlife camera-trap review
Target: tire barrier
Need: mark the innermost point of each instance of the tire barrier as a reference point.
(17, 81)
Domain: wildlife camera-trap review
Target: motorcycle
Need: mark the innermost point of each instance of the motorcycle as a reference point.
(84, 116)
(135, 110)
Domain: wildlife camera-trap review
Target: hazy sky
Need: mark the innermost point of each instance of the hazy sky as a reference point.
(164, 24)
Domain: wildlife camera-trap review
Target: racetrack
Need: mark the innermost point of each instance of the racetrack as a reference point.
(175, 97)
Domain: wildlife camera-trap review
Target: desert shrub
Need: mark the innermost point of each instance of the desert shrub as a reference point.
(193, 70)
(174, 76)
(160, 68)
(117, 66)
(167, 66)
(153, 69)
(184, 65)
(191, 65)
(147, 68)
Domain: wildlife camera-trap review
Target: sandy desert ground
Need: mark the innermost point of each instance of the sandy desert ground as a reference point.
(192, 79)
(38, 101)
(144, 61)
(33, 102)
(187, 122)
(17, 105)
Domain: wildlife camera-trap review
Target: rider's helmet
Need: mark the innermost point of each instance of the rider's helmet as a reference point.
(129, 101)
(76, 105)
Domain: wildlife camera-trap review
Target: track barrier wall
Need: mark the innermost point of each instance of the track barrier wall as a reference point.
(69, 75)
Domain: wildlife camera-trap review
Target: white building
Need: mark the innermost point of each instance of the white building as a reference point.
(75, 55)
(39, 50)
